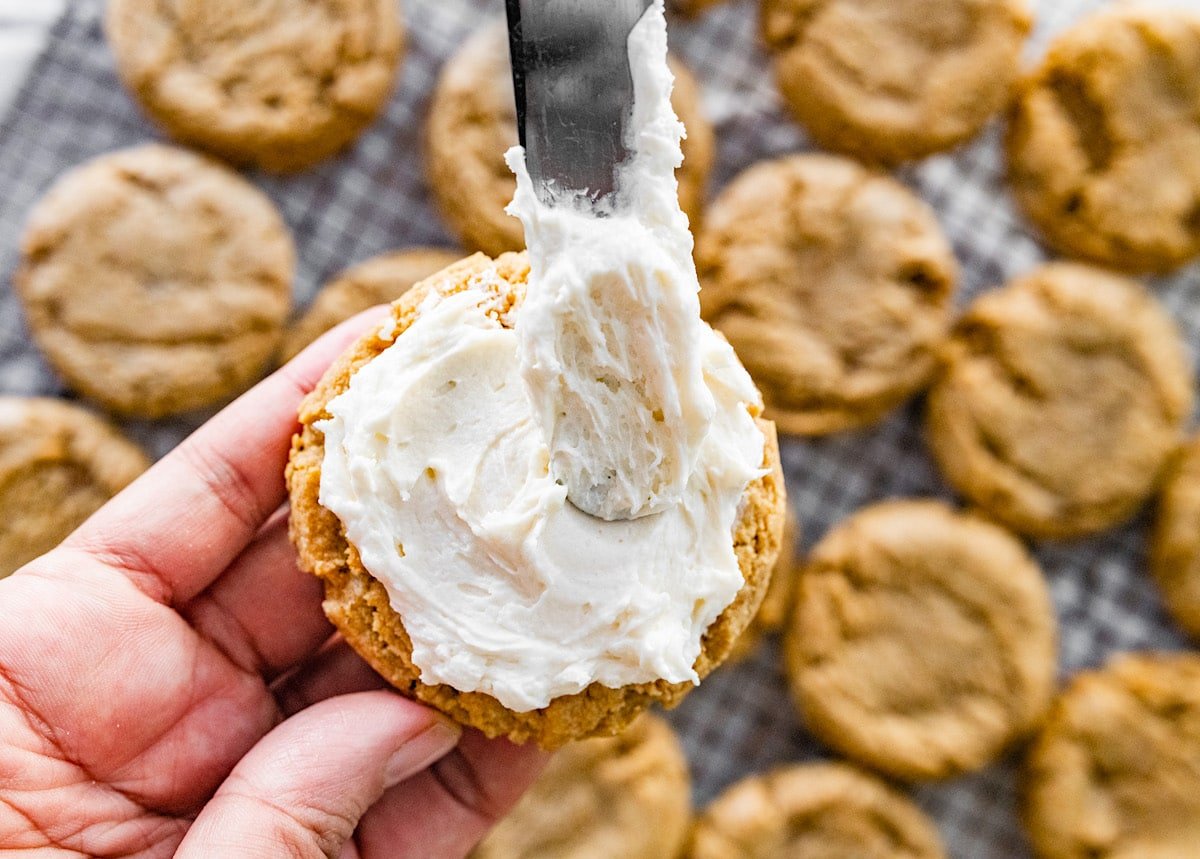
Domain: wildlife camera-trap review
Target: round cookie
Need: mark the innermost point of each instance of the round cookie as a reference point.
(814, 811)
(472, 122)
(922, 642)
(279, 85)
(1175, 542)
(1104, 139)
(358, 604)
(777, 603)
(834, 284)
(1062, 398)
(626, 796)
(58, 464)
(155, 281)
(887, 81)
(379, 280)
(1115, 772)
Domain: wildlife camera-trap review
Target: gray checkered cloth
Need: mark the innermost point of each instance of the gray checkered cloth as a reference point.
(374, 198)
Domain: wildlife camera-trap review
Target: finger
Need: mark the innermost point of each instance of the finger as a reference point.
(445, 810)
(303, 788)
(335, 670)
(183, 521)
(264, 613)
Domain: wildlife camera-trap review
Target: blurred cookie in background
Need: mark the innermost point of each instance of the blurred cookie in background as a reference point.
(277, 85)
(58, 464)
(1175, 541)
(472, 122)
(819, 810)
(834, 283)
(691, 8)
(891, 80)
(1104, 139)
(1115, 771)
(155, 281)
(379, 280)
(922, 641)
(1062, 398)
(626, 796)
(777, 604)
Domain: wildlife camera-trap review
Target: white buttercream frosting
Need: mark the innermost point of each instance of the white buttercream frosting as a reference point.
(609, 334)
(438, 462)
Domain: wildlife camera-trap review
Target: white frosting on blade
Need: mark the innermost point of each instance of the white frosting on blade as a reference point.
(437, 468)
(449, 456)
(609, 336)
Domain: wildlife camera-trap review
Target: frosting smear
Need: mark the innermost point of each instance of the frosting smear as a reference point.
(449, 456)
(609, 334)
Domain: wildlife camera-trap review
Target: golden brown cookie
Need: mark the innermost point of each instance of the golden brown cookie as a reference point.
(777, 603)
(922, 642)
(58, 464)
(888, 81)
(155, 281)
(1115, 773)
(834, 284)
(627, 796)
(1104, 139)
(1175, 543)
(814, 811)
(690, 8)
(358, 604)
(1062, 397)
(280, 84)
(379, 280)
(473, 121)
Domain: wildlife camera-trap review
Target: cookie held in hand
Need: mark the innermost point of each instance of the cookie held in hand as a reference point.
(483, 295)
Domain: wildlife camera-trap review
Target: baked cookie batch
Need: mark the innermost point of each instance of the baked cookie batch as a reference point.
(919, 640)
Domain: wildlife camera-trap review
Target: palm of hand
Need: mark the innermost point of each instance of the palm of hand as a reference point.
(149, 667)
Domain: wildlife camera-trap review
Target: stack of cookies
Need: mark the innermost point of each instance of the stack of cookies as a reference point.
(919, 637)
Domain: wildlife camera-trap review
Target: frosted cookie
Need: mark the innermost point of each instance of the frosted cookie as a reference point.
(489, 293)
(1104, 139)
(58, 465)
(821, 811)
(777, 603)
(1115, 772)
(380, 280)
(280, 85)
(888, 81)
(1175, 542)
(922, 642)
(155, 281)
(833, 283)
(472, 122)
(1062, 397)
(627, 796)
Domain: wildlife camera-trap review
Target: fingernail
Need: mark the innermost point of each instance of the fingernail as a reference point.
(420, 751)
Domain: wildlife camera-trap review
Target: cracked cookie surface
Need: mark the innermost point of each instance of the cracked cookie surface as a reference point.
(626, 796)
(922, 641)
(58, 464)
(813, 811)
(888, 81)
(472, 122)
(834, 284)
(379, 280)
(1062, 397)
(1115, 773)
(1104, 140)
(155, 281)
(280, 84)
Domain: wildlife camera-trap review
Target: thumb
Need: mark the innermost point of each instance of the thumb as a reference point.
(302, 789)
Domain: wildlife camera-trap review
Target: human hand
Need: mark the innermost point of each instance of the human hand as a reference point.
(168, 681)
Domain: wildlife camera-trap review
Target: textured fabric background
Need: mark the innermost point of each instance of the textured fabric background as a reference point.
(373, 198)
